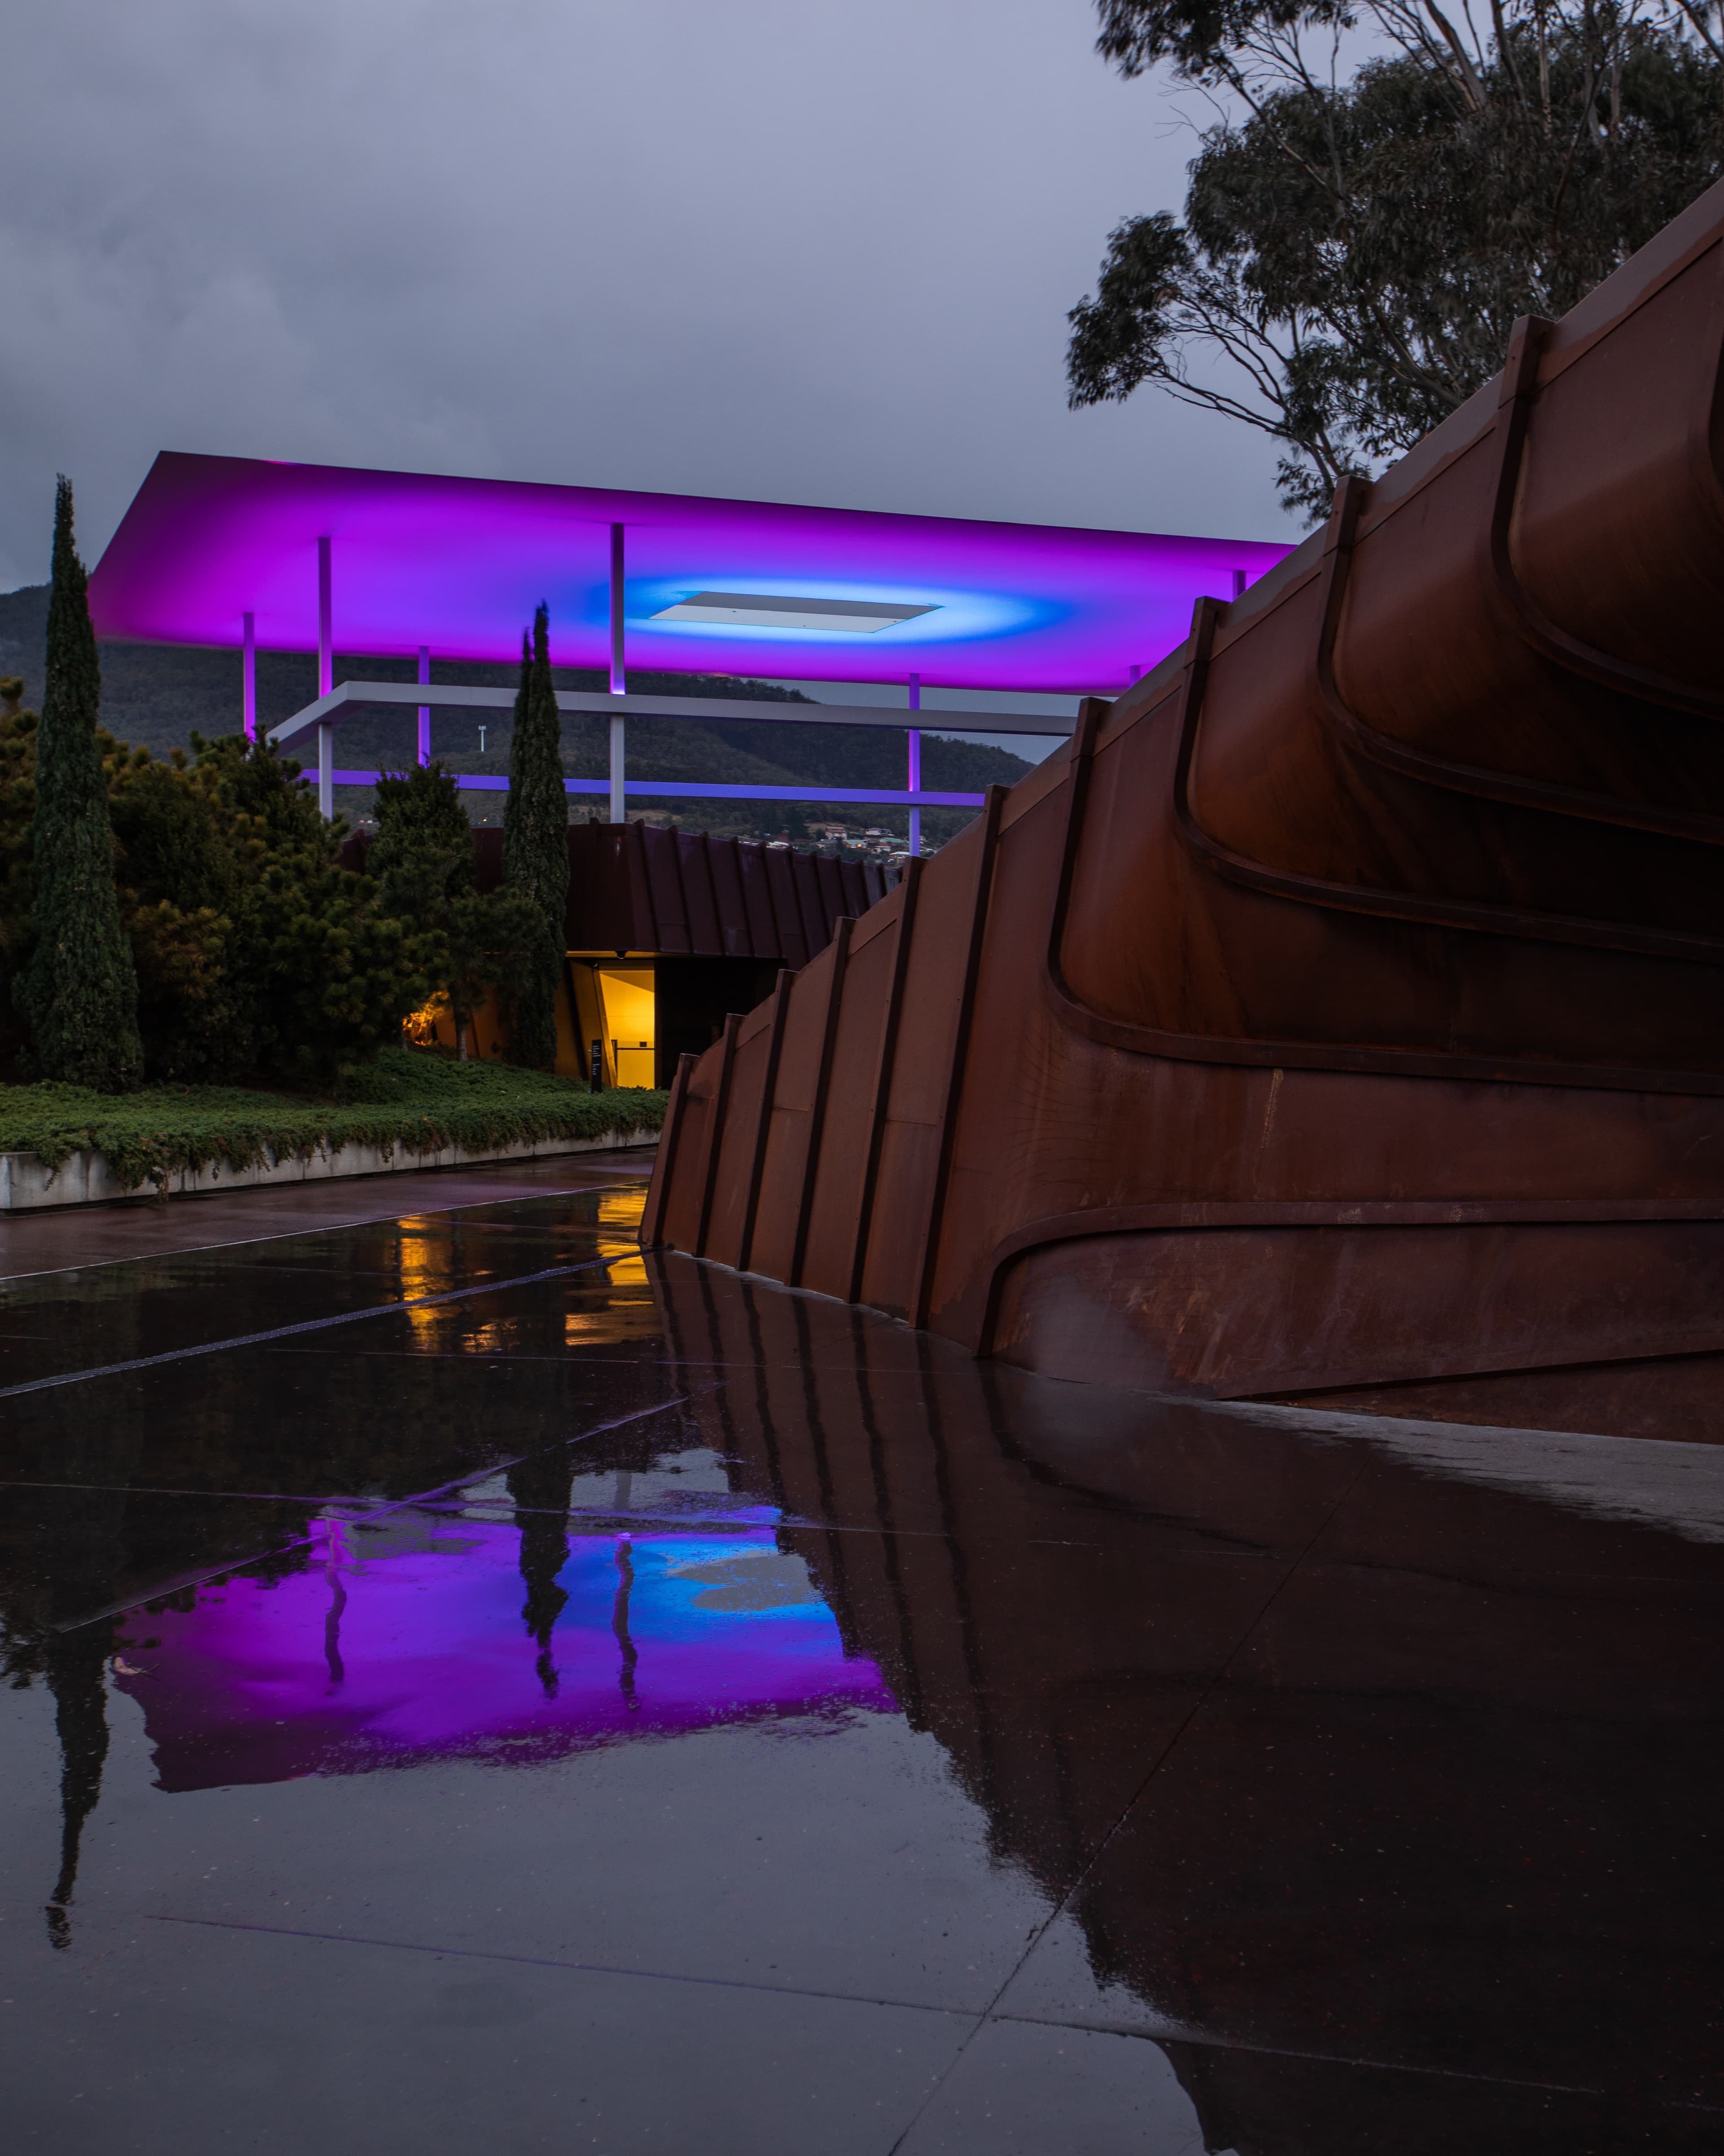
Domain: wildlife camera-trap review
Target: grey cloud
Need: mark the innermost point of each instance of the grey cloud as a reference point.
(790, 249)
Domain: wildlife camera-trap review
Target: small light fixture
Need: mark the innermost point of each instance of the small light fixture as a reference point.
(762, 610)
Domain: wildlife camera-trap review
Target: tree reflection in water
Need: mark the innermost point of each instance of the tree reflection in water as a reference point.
(540, 1486)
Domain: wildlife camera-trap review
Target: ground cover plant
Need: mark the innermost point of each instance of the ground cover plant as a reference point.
(407, 1099)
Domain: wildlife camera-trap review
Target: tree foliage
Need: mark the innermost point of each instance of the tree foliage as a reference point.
(1355, 248)
(480, 941)
(254, 950)
(536, 860)
(78, 986)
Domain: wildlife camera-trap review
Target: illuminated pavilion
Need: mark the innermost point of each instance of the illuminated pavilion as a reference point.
(248, 554)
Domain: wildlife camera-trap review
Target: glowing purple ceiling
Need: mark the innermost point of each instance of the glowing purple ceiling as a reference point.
(459, 564)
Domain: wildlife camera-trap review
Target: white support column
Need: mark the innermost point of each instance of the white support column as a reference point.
(915, 781)
(325, 682)
(619, 677)
(425, 708)
(248, 674)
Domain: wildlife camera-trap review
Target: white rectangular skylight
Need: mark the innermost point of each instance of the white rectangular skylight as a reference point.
(760, 610)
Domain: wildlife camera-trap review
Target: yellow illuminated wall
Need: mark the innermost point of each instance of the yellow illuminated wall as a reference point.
(611, 1002)
(627, 994)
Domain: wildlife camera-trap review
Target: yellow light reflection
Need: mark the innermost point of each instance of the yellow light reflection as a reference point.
(425, 1259)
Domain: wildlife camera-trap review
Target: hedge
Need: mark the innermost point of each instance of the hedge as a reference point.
(415, 1100)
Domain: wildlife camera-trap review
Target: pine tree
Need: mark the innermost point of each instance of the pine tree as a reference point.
(423, 856)
(535, 857)
(80, 990)
(423, 852)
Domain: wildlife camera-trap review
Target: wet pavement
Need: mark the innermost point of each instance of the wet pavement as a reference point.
(475, 1687)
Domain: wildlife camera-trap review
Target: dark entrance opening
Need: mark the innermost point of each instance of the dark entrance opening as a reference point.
(693, 996)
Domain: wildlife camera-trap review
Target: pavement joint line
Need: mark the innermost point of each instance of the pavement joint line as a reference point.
(282, 1234)
(304, 1325)
(201, 1578)
(574, 1968)
(1181, 2033)
(1172, 2034)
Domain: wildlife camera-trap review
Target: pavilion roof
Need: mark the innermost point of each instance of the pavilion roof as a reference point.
(459, 564)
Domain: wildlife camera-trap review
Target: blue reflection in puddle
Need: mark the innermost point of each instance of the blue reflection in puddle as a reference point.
(405, 1639)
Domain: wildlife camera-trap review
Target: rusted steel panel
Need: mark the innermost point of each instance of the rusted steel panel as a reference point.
(736, 1158)
(713, 1143)
(694, 855)
(757, 901)
(836, 1214)
(821, 1097)
(835, 893)
(786, 913)
(799, 1062)
(963, 1020)
(665, 1162)
(1401, 884)
(805, 881)
(901, 921)
(724, 864)
(1242, 1312)
(779, 1020)
(640, 884)
(907, 1145)
(670, 909)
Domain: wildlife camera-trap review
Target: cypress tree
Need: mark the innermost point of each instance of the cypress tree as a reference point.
(535, 848)
(80, 990)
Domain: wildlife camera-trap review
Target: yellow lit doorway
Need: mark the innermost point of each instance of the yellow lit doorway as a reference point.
(625, 995)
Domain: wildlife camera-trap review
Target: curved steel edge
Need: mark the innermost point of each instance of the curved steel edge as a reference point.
(1517, 386)
(976, 1315)
(1479, 780)
(1468, 913)
(1136, 1039)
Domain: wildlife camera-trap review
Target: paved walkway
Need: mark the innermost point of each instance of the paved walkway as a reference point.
(475, 1688)
(145, 1227)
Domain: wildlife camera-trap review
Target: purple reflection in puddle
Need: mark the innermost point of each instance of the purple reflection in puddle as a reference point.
(410, 1646)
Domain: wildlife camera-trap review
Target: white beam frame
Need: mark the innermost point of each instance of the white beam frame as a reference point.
(618, 684)
(350, 697)
(326, 683)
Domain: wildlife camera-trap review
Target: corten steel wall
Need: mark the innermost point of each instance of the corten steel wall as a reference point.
(1344, 1008)
(638, 887)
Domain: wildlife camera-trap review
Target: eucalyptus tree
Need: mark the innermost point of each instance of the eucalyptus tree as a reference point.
(1386, 185)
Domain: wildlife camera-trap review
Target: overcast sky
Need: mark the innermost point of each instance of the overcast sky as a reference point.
(782, 248)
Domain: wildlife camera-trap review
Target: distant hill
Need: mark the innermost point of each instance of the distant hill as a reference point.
(157, 696)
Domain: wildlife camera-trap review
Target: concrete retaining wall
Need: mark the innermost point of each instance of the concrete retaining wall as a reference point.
(26, 1185)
